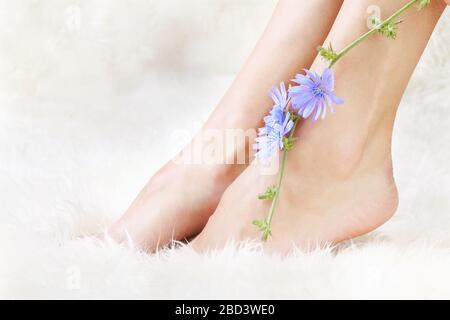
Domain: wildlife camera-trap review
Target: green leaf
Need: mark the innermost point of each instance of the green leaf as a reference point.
(264, 227)
(328, 53)
(422, 4)
(269, 194)
(288, 143)
(389, 29)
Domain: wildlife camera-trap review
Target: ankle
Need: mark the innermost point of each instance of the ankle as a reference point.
(340, 153)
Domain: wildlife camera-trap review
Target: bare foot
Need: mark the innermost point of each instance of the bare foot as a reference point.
(175, 204)
(326, 197)
(178, 201)
(338, 182)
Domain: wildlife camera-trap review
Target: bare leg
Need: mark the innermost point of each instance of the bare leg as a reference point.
(179, 199)
(339, 182)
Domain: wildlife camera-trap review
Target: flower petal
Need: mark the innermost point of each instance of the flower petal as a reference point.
(297, 103)
(329, 103)
(303, 80)
(283, 91)
(328, 79)
(335, 98)
(317, 113)
(324, 110)
(308, 110)
(314, 76)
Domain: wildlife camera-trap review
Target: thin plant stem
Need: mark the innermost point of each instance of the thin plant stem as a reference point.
(339, 56)
(372, 31)
(280, 181)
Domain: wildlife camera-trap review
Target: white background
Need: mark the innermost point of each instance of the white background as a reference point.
(96, 95)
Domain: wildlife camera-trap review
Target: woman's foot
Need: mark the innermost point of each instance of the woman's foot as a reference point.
(333, 190)
(178, 201)
(338, 182)
(175, 205)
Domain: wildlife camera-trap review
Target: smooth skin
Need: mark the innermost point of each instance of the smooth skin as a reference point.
(339, 182)
(164, 210)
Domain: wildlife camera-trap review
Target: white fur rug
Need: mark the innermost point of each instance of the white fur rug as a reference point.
(96, 95)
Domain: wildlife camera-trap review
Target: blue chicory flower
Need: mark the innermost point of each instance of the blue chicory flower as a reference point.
(279, 95)
(314, 94)
(268, 143)
(277, 114)
(277, 125)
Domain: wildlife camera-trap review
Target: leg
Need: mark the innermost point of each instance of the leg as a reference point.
(339, 181)
(179, 199)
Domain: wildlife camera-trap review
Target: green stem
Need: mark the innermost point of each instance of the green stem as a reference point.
(372, 31)
(278, 186)
(339, 56)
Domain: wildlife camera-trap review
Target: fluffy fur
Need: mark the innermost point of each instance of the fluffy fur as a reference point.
(96, 95)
